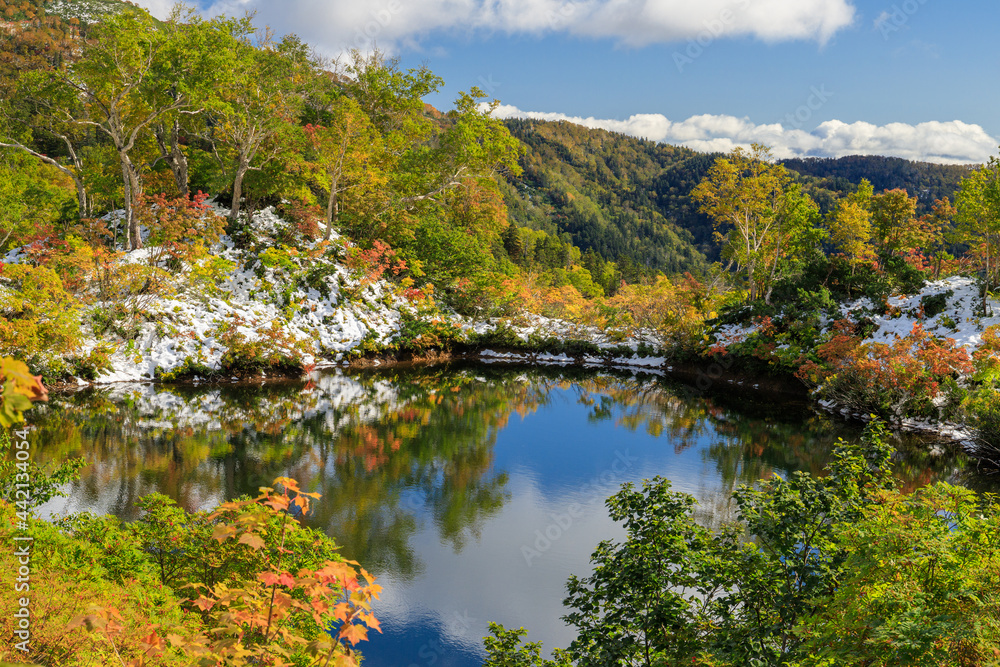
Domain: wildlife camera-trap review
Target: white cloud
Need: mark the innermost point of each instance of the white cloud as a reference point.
(158, 8)
(943, 142)
(334, 25)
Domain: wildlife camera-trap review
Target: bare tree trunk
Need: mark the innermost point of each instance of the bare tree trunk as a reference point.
(133, 192)
(127, 204)
(331, 209)
(170, 150)
(241, 171)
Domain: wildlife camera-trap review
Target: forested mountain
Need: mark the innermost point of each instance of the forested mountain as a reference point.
(928, 182)
(623, 197)
(628, 199)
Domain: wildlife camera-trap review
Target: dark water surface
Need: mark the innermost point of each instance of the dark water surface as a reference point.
(472, 491)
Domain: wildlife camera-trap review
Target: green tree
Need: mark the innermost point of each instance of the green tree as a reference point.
(41, 115)
(677, 593)
(33, 196)
(122, 78)
(475, 146)
(261, 92)
(392, 98)
(648, 601)
(195, 49)
(978, 220)
(796, 239)
(920, 588)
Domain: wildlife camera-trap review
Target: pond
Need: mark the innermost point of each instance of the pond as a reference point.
(471, 491)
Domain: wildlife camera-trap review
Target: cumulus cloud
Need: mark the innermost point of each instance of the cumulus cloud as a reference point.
(952, 142)
(334, 25)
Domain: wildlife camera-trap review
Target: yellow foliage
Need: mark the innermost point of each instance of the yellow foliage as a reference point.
(37, 315)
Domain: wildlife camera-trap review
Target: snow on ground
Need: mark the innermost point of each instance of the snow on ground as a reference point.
(186, 327)
(960, 319)
(190, 324)
(346, 314)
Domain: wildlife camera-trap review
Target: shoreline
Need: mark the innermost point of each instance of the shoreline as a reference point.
(718, 374)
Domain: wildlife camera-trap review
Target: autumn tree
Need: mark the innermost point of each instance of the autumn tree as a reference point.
(893, 227)
(743, 193)
(260, 97)
(346, 151)
(978, 219)
(850, 225)
(935, 228)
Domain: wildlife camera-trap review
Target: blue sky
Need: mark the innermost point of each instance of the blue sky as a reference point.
(913, 78)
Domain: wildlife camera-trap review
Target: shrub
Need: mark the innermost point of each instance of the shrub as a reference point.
(502, 336)
(372, 263)
(69, 581)
(180, 229)
(934, 304)
(914, 377)
(39, 319)
(419, 334)
(280, 258)
(244, 584)
(303, 221)
(272, 350)
(125, 293)
(921, 585)
(43, 483)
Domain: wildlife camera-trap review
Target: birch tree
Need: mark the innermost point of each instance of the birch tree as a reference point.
(261, 94)
(742, 193)
(131, 75)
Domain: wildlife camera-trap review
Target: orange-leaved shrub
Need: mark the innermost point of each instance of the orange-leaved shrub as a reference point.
(253, 586)
(180, 229)
(372, 263)
(916, 376)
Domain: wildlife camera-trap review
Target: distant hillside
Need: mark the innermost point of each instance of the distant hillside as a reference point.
(620, 196)
(625, 197)
(927, 181)
(87, 11)
(21, 13)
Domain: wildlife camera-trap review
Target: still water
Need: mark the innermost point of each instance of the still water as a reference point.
(472, 491)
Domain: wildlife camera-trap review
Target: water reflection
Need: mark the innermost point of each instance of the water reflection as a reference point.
(473, 491)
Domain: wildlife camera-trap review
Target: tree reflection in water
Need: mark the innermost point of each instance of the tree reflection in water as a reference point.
(391, 449)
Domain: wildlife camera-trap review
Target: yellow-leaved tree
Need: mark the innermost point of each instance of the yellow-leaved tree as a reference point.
(743, 193)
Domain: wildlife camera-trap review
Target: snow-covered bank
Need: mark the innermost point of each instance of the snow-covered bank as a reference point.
(230, 314)
(947, 311)
(958, 318)
(304, 302)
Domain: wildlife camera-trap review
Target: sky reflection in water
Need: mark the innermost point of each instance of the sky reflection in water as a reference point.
(473, 492)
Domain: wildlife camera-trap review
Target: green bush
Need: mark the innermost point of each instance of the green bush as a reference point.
(843, 569)
(934, 304)
(420, 334)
